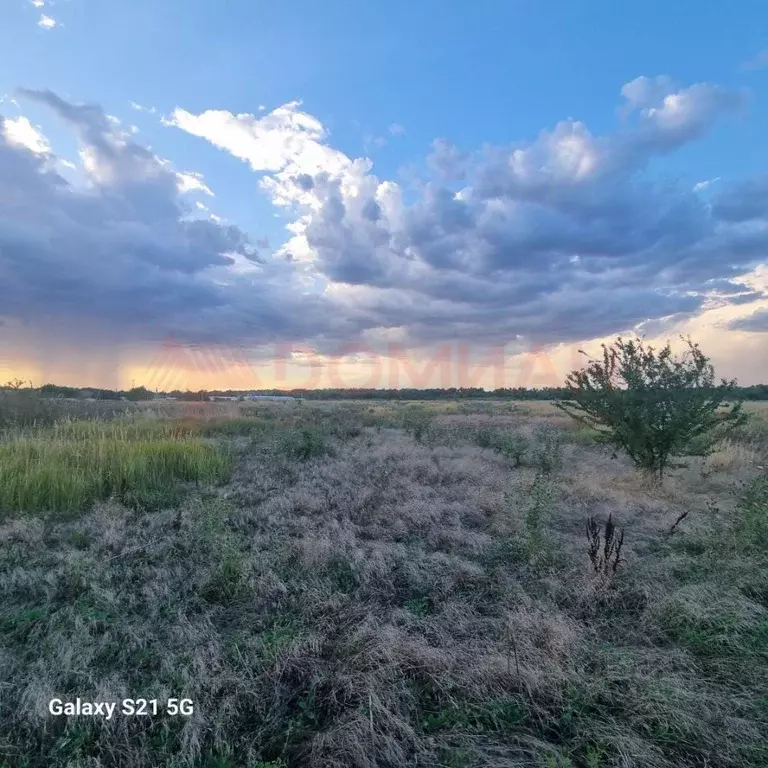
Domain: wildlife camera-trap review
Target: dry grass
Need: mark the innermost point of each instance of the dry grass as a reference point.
(372, 599)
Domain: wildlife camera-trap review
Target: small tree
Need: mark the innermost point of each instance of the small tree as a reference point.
(651, 403)
(137, 394)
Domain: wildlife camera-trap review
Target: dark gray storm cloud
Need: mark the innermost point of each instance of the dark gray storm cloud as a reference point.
(123, 253)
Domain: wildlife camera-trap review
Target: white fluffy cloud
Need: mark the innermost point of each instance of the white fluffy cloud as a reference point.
(557, 239)
(20, 132)
(192, 182)
(46, 22)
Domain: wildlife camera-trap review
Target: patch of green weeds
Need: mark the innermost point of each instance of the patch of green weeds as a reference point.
(495, 715)
(485, 436)
(556, 761)
(152, 499)
(419, 606)
(547, 451)
(18, 627)
(342, 575)
(75, 744)
(240, 427)
(227, 580)
(751, 533)
(80, 540)
(455, 757)
(282, 632)
(715, 635)
(512, 445)
(504, 552)
(509, 443)
(537, 512)
(578, 705)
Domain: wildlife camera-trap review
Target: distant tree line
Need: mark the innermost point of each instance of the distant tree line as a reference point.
(751, 393)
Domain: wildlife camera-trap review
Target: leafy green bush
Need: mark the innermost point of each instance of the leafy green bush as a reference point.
(650, 403)
(547, 454)
(513, 445)
(417, 421)
(304, 443)
(485, 436)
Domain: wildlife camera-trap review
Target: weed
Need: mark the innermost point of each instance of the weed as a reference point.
(279, 603)
(538, 509)
(227, 580)
(418, 606)
(547, 454)
(751, 531)
(605, 553)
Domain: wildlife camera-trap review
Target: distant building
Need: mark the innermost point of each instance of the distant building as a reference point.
(270, 397)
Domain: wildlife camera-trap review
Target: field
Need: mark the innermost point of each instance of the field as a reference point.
(376, 585)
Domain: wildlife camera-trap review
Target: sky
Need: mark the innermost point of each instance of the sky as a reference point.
(275, 193)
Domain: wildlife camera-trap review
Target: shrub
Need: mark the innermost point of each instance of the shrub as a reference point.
(650, 403)
(23, 407)
(537, 512)
(513, 445)
(304, 443)
(485, 436)
(548, 450)
(416, 421)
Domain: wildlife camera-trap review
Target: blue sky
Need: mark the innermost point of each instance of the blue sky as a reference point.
(383, 81)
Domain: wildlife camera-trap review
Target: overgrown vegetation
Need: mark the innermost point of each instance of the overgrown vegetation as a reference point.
(652, 404)
(353, 596)
(66, 467)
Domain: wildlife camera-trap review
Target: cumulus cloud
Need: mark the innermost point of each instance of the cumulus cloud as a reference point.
(562, 238)
(46, 22)
(557, 239)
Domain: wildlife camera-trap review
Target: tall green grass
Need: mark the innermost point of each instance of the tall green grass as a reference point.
(69, 466)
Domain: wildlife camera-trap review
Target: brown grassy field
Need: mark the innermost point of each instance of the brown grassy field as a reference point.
(379, 586)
